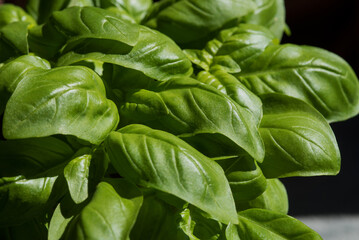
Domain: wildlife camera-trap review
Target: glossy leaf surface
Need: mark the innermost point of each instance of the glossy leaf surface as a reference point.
(134, 10)
(14, 71)
(99, 221)
(256, 223)
(320, 78)
(159, 160)
(271, 14)
(77, 173)
(229, 85)
(232, 49)
(10, 13)
(186, 21)
(83, 34)
(194, 111)
(60, 101)
(297, 139)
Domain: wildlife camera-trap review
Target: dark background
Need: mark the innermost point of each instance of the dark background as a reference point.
(332, 25)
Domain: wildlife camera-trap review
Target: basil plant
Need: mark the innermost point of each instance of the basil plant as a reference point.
(172, 119)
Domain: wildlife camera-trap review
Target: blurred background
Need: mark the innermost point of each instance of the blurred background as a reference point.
(332, 25)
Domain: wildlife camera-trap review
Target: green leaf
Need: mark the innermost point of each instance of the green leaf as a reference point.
(197, 226)
(297, 139)
(58, 224)
(159, 160)
(274, 198)
(245, 177)
(76, 174)
(320, 78)
(81, 3)
(41, 10)
(14, 71)
(186, 21)
(232, 49)
(29, 182)
(132, 9)
(110, 214)
(229, 85)
(10, 13)
(196, 112)
(157, 221)
(64, 100)
(84, 34)
(259, 223)
(13, 36)
(270, 14)
(84, 172)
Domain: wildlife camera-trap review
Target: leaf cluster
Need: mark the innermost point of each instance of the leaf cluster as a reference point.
(169, 120)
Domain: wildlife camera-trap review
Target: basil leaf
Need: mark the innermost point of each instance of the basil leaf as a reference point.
(10, 13)
(42, 9)
(22, 199)
(58, 224)
(110, 214)
(229, 85)
(274, 198)
(320, 78)
(81, 3)
(197, 112)
(13, 72)
(196, 226)
(29, 181)
(269, 13)
(88, 33)
(76, 174)
(186, 21)
(14, 37)
(163, 221)
(256, 223)
(297, 139)
(232, 49)
(245, 178)
(134, 10)
(60, 101)
(84, 172)
(159, 160)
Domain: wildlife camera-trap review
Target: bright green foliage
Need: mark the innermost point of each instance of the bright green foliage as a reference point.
(159, 160)
(176, 129)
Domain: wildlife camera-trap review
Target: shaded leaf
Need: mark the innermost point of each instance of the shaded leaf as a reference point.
(274, 198)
